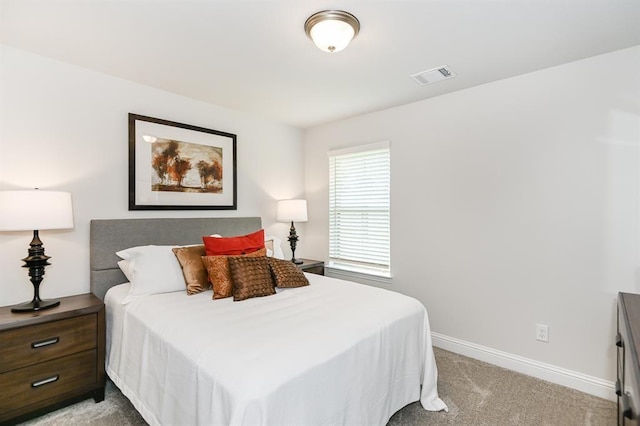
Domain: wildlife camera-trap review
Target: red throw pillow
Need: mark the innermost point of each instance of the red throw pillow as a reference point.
(233, 246)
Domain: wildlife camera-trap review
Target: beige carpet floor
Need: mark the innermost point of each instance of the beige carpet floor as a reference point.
(476, 393)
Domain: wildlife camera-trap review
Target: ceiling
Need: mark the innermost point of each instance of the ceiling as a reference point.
(254, 56)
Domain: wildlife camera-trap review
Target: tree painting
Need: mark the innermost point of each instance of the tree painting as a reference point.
(210, 172)
(185, 167)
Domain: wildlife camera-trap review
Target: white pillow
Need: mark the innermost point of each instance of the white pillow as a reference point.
(277, 249)
(151, 270)
(125, 267)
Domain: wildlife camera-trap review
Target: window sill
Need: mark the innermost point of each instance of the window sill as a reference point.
(358, 275)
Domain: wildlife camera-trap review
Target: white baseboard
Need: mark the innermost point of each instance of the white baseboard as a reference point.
(571, 379)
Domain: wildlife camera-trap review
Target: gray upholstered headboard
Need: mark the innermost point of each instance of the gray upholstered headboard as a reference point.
(110, 236)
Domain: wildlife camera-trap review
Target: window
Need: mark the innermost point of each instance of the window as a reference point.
(359, 208)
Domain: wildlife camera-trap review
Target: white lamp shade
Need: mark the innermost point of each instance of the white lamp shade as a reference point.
(35, 210)
(332, 35)
(292, 211)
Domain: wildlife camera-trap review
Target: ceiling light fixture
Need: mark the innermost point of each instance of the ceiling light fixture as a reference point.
(332, 30)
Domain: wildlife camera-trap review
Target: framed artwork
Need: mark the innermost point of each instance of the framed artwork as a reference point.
(176, 166)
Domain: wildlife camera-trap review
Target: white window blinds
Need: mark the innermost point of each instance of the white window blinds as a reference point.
(359, 207)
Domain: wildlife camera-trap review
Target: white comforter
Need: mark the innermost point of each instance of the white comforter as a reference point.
(332, 353)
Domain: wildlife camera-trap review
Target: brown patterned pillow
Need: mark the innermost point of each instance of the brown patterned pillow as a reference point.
(286, 274)
(195, 274)
(219, 274)
(251, 277)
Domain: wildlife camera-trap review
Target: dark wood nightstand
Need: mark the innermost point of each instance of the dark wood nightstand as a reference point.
(628, 349)
(51, 358)
(312, 266)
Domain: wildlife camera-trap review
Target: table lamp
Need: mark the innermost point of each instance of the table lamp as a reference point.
(35, 210)
(292, 211)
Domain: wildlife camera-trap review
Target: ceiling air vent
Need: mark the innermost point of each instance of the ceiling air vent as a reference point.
(433, 75)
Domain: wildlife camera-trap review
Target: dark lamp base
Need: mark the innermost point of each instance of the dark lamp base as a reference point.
(297, 261)
(35, 306)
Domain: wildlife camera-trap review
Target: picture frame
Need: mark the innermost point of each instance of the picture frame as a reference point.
(177, 166)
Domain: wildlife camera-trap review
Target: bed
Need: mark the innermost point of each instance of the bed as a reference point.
(333, 352)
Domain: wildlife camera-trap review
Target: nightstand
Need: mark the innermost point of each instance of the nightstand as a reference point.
(628, 351)
(312, 266)
(51, 358)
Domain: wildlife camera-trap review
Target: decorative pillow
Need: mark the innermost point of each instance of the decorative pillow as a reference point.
(220, 275)
(273, 246)
(215, 246)
(286, 274)
(194, 271)
(152, 269)
(251, 277)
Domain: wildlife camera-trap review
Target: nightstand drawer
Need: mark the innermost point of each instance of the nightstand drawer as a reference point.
(25, 346)
(49, 379)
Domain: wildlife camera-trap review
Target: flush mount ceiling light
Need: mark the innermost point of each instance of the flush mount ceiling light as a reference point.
(332, 30)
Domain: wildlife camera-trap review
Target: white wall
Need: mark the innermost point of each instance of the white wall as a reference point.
(63, 127)
(513, 203)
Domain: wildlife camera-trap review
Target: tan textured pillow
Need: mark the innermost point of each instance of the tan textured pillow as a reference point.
(195, 274)
(251, 277)
(286, 274)
(219, 274)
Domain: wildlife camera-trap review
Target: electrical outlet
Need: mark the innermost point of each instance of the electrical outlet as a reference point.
(542, 333)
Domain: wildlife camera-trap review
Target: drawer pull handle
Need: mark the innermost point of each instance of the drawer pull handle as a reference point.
(45, 381)
(44, 343)
(626, 407)
(618, 388)
(619, 342)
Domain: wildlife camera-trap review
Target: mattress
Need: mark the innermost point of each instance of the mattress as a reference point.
(331, 353)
